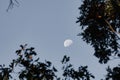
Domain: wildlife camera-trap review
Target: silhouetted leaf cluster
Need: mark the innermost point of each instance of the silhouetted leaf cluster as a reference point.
(113, 74)
(33, 69)
(100, 24)
(95, 20)
(70, 73)
(5, 72)
(100, 21)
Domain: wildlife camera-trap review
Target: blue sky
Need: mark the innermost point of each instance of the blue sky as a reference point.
(45, 24)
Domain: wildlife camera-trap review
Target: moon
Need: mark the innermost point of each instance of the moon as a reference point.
(68, 42)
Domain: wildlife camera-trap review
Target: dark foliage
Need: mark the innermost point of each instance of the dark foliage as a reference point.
(5, 72)
(100, 22)
(33, 69)
(70, 73)
(113, 74)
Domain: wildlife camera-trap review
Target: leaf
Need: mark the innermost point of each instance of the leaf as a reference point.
(48, 62)
(32, 48)
(37, 60)
(70, 65)
(118, 55)
(12, 65)
(92, 76)
(33, 53)
(22, 47)
(54, 69)
(64, 58)
(18, 52)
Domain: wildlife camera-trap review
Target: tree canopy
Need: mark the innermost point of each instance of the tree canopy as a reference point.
(100, 24)
(34, 69)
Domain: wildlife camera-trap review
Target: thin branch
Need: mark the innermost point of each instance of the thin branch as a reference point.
(111, 27)
(12, 3)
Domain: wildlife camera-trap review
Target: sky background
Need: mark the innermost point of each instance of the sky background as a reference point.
(45, 24)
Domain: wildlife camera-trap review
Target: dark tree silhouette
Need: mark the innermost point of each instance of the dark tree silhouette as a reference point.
(113, 74)
(70, 73)
(33, 69)
(100, 25)
(100, 22)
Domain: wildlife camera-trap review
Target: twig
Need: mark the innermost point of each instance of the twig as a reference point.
(12, 3)
(111, 27)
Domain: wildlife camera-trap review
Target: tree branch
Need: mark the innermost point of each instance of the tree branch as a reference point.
(111, 27)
